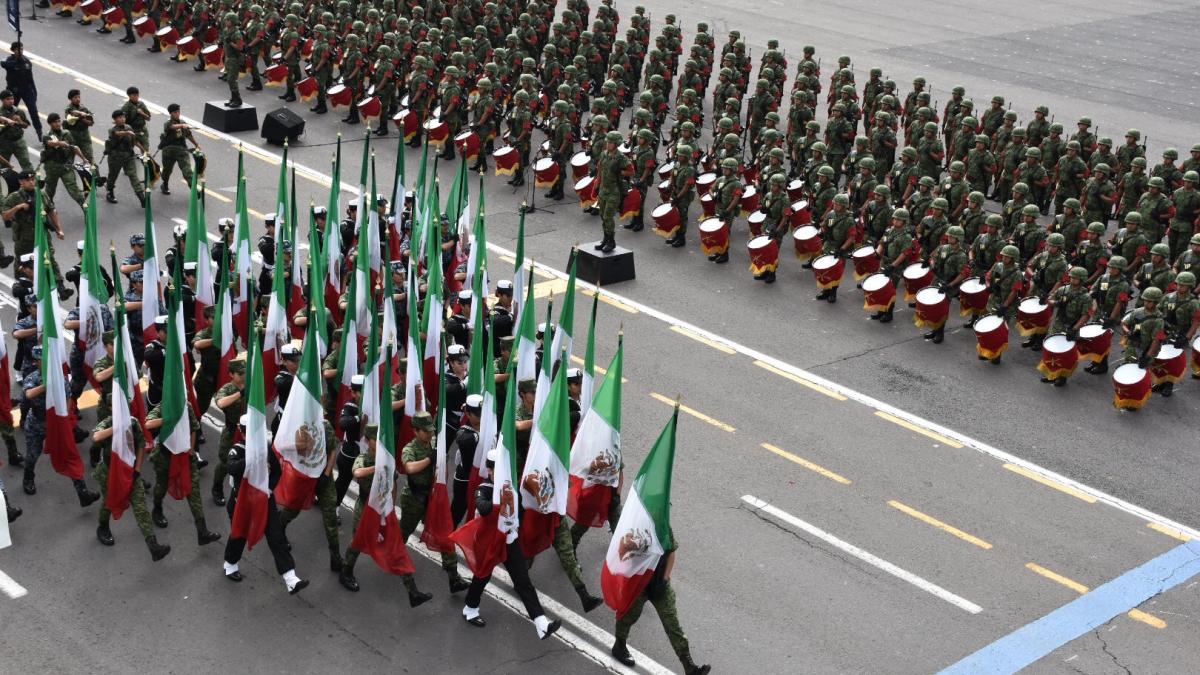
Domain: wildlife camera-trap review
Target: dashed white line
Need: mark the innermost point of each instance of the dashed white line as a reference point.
(10, 587)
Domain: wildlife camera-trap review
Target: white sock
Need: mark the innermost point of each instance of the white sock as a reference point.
(541, 623)
(470, 612)
(230, 568)
(290, 579)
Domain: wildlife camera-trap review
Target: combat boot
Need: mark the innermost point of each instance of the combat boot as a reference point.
(347, 580)
(721, 258)
(335, 560)
(110, 197)
(638, 224)
(621, 653)
(164, 188)
(157, 551)
(417, 598)
(104, 534)
(5, 260)
(14, 457)
(157, 515)
(457, 583)
(610, 243)
(832, 297)
(86, 496)
(320, 108)
(588, 600)
(690, 668)
(255, 85)
(218, 494)
(352, 117)
(382, 130)
(204, 536)
(13, 512)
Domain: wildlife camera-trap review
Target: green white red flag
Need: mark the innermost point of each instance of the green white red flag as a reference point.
(596, 453)
(249, 519)
(545, 480)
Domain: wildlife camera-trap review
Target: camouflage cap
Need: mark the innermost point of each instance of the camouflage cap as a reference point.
(423, 421)
(527, 386)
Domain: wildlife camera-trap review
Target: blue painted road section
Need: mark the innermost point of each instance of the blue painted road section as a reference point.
(1029, 643)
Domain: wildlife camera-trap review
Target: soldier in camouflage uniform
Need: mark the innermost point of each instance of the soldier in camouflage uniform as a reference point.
(1145, 333)
(232, 404)
(327, 501)
(162, 470)
(58, 151)
(13, 123)
(1186, 217)
(33, 422)
(951, 266)
(612, 166)
(1110, 295)
(173, 142)
(1099, 196)
(1071, 303)
(102, 438)
(122, 139)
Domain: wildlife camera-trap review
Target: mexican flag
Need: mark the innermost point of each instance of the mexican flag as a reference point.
(519, 268)
(544, 481)
(243, 303)
(438, 522)
(368, 218)
(60, 422)
(222, 333)
(152, 290)
(296, 302)
(484, 539)
(249, 519)
(127, 404)
(487, 422)
(458, 207)
(435, 311)
(196, 251)
(276, 334)
(643, 533)
(526, 336)
(396, 206)
(319, 321)
(564, 340)
(477, 265)
(6, 416)
(332, 246)
(347, 358)
(389, 332)
(378, 533)
(414, 396)
(175, 434)
(300, 438)
(93, 296)
(547, 369)
(364, 288)
(596, 454)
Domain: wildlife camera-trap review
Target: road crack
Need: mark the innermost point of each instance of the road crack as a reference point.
(1104, 648)
(832, 553)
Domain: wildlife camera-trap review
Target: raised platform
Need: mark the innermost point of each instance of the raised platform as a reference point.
(230, 120)
(604, 269)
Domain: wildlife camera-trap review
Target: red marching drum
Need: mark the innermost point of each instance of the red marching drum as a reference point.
(408, 124)
(708, 207)
(664, 171)
(632, 204)
(801, 213)
(1060, 356)
(991, 337)
(933, 308)
(438, 132)
(545, 172)
(213, 55)
(91, 9)
(749, 201)
(714, 236)
(879, 293)
(916, 276)
(764, 255)
(580, 165)
(704, 183)
(65, 4)
(795, 189)
(188, 46)
(664, 190)
(865, 261)
(755, 221)
(828, 271)
(666, 219)
(339, 95)
(585, 188)
(114, 16)
(144, 25)
(467, 144)
(274, 76)
(807, 240)
(166, 36)
(306, 89)
(1033, 317)
(1196, 357)
(1131, 386)
(749, 173)
(1169, 366)
(370, 108)
(1095, 342)
(973, 297)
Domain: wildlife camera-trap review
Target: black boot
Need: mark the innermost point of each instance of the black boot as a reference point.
(86, 496)
(722, 258)
(621, 653)
(218, 494)
(589, 601)
(5, 261)
(199, 67)
(335, 560)
(105, 535)
(204, 536)
(110, 197)
(824, 294)
(320, 108)
(1166, 389)
(233, 103)
(638, 224)
(610, 243)
(164, 188)
(14, 457)
(680, 240)
(13, 512)
(457, 583)
(157, 515)
(28, 484)
(382, 130)
(351, 118)
(520, 179)
(769, 278)
(832, 297)
(347, 580)
(886, 317)
(157, 551)
(94, 455)
(256, 85)
(690, 667)
(416, 598)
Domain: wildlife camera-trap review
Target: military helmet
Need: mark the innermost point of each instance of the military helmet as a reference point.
(994, 220)
(1079, 273)
(957, 166)
(1107, 142)
(958, 91)
(940, 203)
(561, 107)
(1171, 153)
(976, 197)
(1073, 145)
(729, 163)
(1102, 168)
(1134, 134)
(969, 121)
(1139, 162)
(1056, 128)
(1056, 239)
(613, 137)
(864, 163)
(825, 170)
(730, 138)
(1157, 182)
(983, 138)
(1011, 115)
(900, 214)
(683, 152)
(1191, 177)
(645, 135)
(926, 181)
(778, 179)
(1021, 187)
(812, 125)
(778, 153)
(956, 232)
(1195, 239)
(1010, 251)
(885, 191)
(1071, 203)
(1030, 210)
(1033, 152)
(841, 199)
(1096, 228)
(909, 151)
(1186, 279)
(1152, 294)
(1133, 217)
(1160, 249)
(819, 146)
(1118, 262)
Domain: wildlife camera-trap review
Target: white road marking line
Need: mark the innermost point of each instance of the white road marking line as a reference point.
(10, 587)
(860, 397)
(929, 587)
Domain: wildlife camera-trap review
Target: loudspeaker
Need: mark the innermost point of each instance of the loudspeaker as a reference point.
(282, 124)
(230, 120)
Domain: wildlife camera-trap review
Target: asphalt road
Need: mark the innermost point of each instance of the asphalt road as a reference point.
(754, 588)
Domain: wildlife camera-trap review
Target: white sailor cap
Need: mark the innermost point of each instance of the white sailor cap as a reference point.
(244, 421)
(179, 230)
(160, 320)
(353, 203)
(541, 329)
(504, 285)
(357, 381)
(456, 351)
(574, 374)
(270, 218)
(493, 455)
(320, 211)
(189, 267)
(79, 245)
(474, 401)
(464, 295)
(27, 258)
(290, 349)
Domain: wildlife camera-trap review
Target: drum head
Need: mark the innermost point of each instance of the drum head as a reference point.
(796, 184)
(875, 282)
(580, 159)
(757, 217)
(863, 252)
(665, 185)
(712, 225)
(507, 150)
(1091, 330)
(800, 205)
(985, 324)
(661, 210)
(543, 164)
(706, 178)
(1059, 344)
(1031, 306)
(916, 271)
(973, 285)
(164, 31)
(825, 262)
(805, 233)
(759, 242)
(463, 136)
(579, 186)
(1196, 344)
(749, 192)
(1168, 352)
(339, 88)
(666, 169)
(1129, 374)
(927, 296)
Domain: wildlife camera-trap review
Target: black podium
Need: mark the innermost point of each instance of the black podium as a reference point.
(604, 269)
(230, 120)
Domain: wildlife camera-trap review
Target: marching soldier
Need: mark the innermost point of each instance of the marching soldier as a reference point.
(1156, 272)
(122, 139)
(58, 150)
(1099, 196)
(1131, 243)
(290, 44)
(234, 50)
(19, 214)
(162, 468)
(13, 123)
(173, 142)
(1189, 260)
(136, 116)
(643, 174)
(1145, 333)
(327, 502)
(950, 268)
(1156, 209)
(78, 120)
(322, 58)
(1110, 296)
(1186, 218)
(562, 145)
(1071, 303)
(33, 422)
(102, 438)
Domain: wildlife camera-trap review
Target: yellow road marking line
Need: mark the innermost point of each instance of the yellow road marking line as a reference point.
(703, 340)
(598, 369)
(256, 214)
(217, 196)
(944, 527)
(920, 430)
(609, 301)
(816, 468)
(800, 380)
(695, 413)
(88, 399)
(555, 286)
(89, 83)
(1067, 489)
(1135, 614)
(1169, 531)
(254, 152)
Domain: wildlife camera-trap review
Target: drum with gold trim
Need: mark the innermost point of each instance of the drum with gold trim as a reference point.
(933, 308)
(467, 144)
(114, 16)
(144, 25)
(585, 188)
(407, 122)
(865, 261)
(1033, 317)
(973, 296)
(275, 75)
(664, 190)
(545, 172)
(1131, 386)
(795, 189)
(879, 293)
(339, 96)
(631, 205)
(756, 221)
(714, 236)
(991, 337)
(916, 276)
(213, 55)
(1095, 342)
(764, 255)
(1060, 356)
(91, 8)
(749, 201)
(437, 132)
(828, 270)
(581, 165)
(167, 36)
(1169, 366)
(188, 47)
(666, 219)
(704, 183)
(807, 240)
(801, 213)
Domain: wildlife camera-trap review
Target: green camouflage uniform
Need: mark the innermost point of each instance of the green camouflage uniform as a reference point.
(327, 501)
(12, 137)
(174, 146)
(137, 498)
(58, 166)
(120, 158)
(662, 596)
(611, 169)
(162, 470)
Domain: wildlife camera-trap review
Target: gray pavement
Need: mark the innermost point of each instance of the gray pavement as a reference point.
(752, 590)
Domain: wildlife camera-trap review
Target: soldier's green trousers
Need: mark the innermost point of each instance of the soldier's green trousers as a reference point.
(176, 155)
(18, 149)
(1177, 241)
(564, 546)
(233, 70)
(137, 500)
(221, 470)
(125, 163)
(664, 604)
(609, 205)
(162, 470)
(56, 172)
(85, 146)
(327, 502)
(412, 512)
